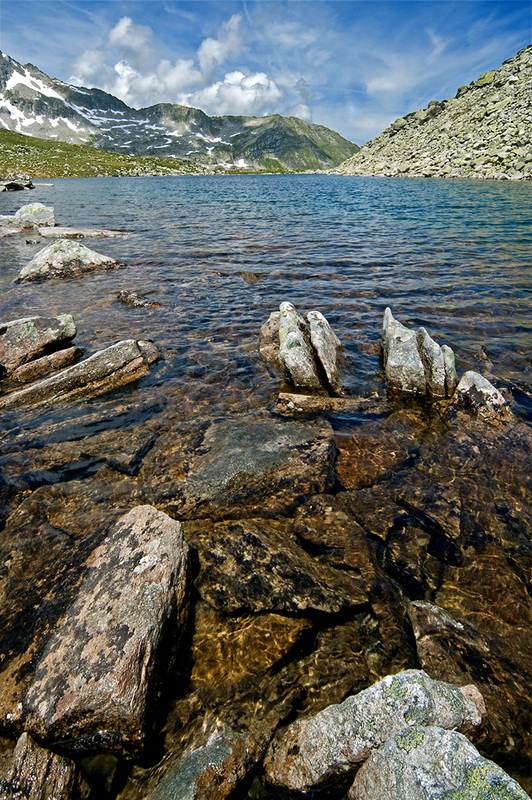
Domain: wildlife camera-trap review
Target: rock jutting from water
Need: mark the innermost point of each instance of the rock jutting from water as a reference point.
(308, 354)
(16, 184)
(65, 258)
(482, 132)
(414, 362)
(27, 339)
(323, 751)
(29, 217)
(477, 392)
(95, 680)
(102, 372)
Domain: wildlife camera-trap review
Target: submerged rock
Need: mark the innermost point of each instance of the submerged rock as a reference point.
(430, 763)
(414, 362)
(64, 259)
(39, 774)
(324, 750)
(102, 372)
(23, 340)
(95, 681)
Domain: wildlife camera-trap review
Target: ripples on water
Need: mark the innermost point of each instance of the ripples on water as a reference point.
(218, 253)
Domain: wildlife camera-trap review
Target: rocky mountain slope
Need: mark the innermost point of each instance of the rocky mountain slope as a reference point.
(35, 104)
(485, 131)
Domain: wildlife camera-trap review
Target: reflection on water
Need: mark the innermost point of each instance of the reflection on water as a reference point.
(423, 509)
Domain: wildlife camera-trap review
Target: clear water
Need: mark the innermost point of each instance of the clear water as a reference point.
(218, 253)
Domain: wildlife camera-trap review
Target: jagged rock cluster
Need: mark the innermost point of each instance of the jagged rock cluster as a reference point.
(485, 131)
(414, 363)
(308, 353)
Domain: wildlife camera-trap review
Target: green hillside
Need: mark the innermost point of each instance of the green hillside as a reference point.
(45, 158)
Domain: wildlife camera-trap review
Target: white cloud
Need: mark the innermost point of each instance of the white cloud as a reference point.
(126, 65)
(238, 94)
(212, 52)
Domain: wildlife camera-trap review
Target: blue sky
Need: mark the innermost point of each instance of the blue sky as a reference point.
(352, 65)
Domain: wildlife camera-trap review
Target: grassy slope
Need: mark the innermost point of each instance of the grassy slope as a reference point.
(46, 158)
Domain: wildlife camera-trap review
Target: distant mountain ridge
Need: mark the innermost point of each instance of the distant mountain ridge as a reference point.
(485, 131)
(32, 103)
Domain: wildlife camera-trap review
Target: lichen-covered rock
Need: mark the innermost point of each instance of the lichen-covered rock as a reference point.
(414, 362)
(39, 774)
(102, 372)
(324, 750)
(95, 682)
(22, 340)
(35, 215)
(326, 345)
(295, 351)
(269, 340)
(477, 392)
(429, 763)
(65, 258)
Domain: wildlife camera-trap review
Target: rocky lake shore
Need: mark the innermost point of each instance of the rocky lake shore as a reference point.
(482, 132)
(258, 605)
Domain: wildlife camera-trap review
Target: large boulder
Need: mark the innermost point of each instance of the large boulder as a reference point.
(23, 340)
(39, 774)
(430, 763)
(65, 258)
(325, 750)
(414, 362)
(102, 372)
(94, 685)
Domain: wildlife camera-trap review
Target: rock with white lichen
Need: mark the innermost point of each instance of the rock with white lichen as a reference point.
(65, 258)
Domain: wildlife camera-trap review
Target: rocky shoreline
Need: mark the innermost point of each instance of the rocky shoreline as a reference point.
(483, 132)
(261, 605)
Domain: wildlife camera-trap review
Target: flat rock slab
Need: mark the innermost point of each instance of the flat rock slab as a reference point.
(257, 464)
(97, 674)
(64, 259)
(62, 232)
(253, 566)
(22, 340)
(322, 750)
(429, 763)
(102, 372)
(39, 774)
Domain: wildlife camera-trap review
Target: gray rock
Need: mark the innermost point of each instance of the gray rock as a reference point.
(95, 682)
(324, 750)
(429, 763)
(8, 226)
(39, 774)
(22, 340)
(104, 371)
(16, 184)
(414, 362)
(295, 351)
(326, 346)
(64, 259)
(433, 362)
(402, 363)
(476, 391)
(35, 215)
